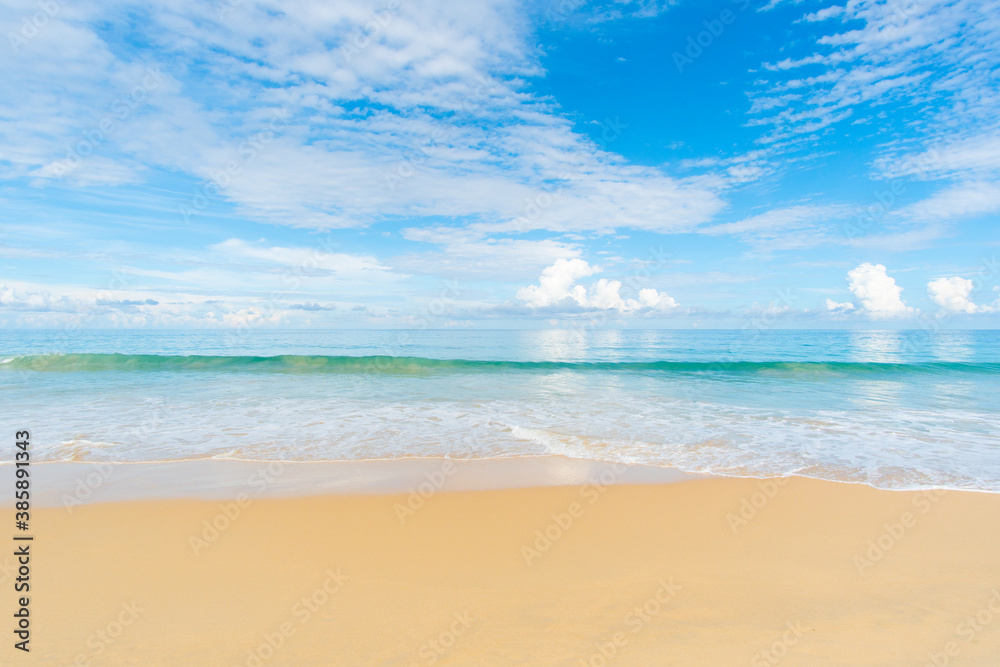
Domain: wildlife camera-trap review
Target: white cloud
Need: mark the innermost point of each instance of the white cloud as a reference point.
(773, 221)
(760, 312)
(789, 227)
(126, 302)
(952, 295)
(650, 298)
(878, 292)
(774, 3)
(299, 260)
(472, 254)
(557, 284)
(418, 116)
(605, 295)
(825, 13)
(959, 201)
(840, 308)
(253, 317)
(37, 299)
(968, 158)
(924, 236)
(934, 55)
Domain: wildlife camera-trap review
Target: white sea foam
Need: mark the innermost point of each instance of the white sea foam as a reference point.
(893, 448)
(896, 427)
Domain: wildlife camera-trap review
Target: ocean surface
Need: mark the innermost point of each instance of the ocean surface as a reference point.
(895, 409)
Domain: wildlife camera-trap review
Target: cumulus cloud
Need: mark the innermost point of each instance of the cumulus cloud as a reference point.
(558, 284)
(952, 295)
(878, 292)
(650, 298)
(839, 308)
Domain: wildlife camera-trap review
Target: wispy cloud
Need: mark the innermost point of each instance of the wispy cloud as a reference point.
(927, 56)
(789, 227)
(386, 110)
(958, 201)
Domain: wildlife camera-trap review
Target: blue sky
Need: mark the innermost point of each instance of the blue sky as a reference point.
(409, 163)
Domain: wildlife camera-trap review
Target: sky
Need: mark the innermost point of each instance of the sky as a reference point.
(493, 164)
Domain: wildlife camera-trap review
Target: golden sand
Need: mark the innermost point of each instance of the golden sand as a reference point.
(703, 572)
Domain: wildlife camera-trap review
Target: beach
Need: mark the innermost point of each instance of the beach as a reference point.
(598, 564)
(587, 334)
(506, 498)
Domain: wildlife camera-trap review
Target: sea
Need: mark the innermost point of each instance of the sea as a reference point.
(892, 409)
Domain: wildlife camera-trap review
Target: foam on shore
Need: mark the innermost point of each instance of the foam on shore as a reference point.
(70, 483)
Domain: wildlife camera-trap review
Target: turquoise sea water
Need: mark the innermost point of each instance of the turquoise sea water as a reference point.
(894, 409)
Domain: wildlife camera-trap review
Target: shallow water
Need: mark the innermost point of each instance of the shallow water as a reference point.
(894, 409)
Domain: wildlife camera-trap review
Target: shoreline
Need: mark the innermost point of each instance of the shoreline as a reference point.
(71, 483)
